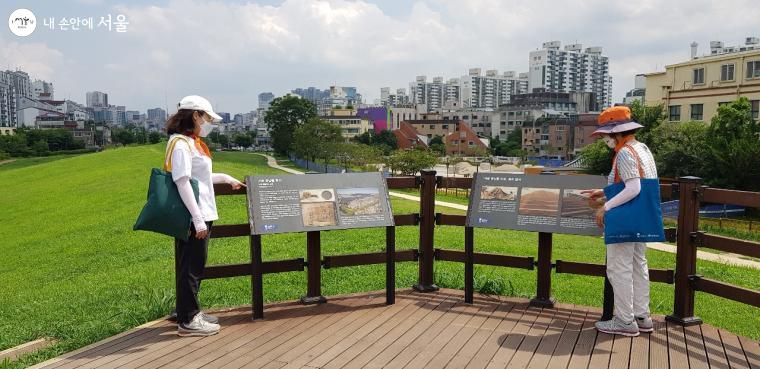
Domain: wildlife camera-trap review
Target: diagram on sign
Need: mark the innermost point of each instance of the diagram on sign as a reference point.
(280, 204)
(498, 193)
(543, 203)
(539, 201)
(575, 205)
(358, 201)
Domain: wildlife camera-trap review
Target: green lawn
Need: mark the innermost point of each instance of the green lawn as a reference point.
(75, 271)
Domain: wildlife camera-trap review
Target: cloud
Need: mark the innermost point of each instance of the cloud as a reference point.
(37, 59)
(231, 51)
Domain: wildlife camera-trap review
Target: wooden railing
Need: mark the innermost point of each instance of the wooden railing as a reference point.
(691, 194)
(684, 277)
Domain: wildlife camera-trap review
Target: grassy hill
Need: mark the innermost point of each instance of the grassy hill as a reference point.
(73, 269)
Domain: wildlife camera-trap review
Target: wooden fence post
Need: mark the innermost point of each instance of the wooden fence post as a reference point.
(469, 256)
(544, 274)
(425, 282)
(686, 253)
(314, 269)
(257, 281)
(390, 265)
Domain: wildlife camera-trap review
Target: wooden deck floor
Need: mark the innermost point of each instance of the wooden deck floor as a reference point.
(421, 330)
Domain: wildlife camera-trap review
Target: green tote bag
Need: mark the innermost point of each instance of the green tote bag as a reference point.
(164, 212)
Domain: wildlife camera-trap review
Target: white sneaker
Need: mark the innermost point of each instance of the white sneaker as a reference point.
(197, 327)
(617, 326)
(645, 323)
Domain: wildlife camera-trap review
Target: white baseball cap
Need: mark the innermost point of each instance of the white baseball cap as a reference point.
(195, 102)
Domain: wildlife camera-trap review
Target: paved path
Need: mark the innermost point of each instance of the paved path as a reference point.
(729, 259)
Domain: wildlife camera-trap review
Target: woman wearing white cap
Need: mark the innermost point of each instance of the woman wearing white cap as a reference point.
(191, 158)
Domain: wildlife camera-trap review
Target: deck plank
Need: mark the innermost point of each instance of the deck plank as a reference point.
(431, 330)
(479, 338)
(737, 359)
(563, 352)
(510, 344)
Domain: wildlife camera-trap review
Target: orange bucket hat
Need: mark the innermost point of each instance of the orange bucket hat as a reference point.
(614, 120)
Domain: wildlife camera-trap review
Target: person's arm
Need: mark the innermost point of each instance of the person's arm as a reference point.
(188, 198)
(631, 190)
(223, 178)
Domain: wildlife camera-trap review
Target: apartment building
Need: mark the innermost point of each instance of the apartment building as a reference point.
(569, 69)
(693, 89)
(491, 90)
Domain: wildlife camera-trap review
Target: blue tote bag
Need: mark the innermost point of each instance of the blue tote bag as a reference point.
(638, 220)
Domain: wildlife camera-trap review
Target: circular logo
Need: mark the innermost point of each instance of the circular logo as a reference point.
(22, 22)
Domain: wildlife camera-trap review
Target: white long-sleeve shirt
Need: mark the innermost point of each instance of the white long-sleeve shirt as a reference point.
(187, 162)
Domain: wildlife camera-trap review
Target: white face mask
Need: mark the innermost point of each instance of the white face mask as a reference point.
(206, 128)
(609, 141)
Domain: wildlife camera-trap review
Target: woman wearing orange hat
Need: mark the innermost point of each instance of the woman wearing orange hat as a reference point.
(634, 174)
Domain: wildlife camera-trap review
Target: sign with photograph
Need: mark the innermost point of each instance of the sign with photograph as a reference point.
(542, 203)
(317, 202)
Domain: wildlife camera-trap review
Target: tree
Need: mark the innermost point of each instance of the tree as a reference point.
(317, 138)
(123, 136)
(154, 137)
(734, 143)
(409, 162)
(224, 140)
(385, 140)
(512, 146)
(436, 144)
(40, 148)
(284, 116)
(681, 149)
(597, 158)
(357, 155)
(243, 140)
(650, 117)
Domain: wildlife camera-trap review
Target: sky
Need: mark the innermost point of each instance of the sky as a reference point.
(230, 51)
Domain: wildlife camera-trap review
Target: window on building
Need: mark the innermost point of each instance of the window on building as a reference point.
(696, 111)
(753, 69)
(470, 144)
(445, 126)
(432, 126)
(698, 76)
(755, 109)
(674, 113)
(727, 72)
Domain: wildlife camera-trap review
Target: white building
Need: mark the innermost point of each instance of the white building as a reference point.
(637, 93)
(491, 90)
(265, 98)
(433, 94)
(719, 48)
(569, 69)
(97, 99)
(401, 112)
(14, 85)
(42, 90)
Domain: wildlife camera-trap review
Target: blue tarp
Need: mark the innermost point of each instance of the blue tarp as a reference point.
(670, 210)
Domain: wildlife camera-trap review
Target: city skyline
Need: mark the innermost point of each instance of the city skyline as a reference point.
(281, 45)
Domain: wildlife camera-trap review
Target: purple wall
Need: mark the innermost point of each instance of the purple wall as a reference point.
(378, 116)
